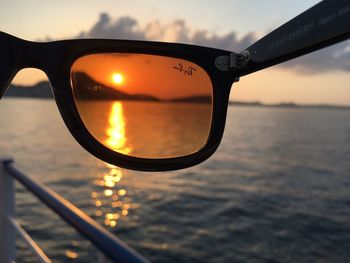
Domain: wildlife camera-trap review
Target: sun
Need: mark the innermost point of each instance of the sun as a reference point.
(117, 78)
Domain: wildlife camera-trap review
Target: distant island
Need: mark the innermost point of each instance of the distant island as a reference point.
(42, 90)
(90, 89)
(288, 105)
(39, 90)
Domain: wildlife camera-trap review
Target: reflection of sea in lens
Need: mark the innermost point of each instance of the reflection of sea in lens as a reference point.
(162, 110)
(158, 130)
(151, 129)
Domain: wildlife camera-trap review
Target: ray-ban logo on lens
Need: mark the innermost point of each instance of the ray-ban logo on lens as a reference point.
(188, 71)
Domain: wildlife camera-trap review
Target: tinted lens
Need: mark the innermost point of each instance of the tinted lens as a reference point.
(142, 105)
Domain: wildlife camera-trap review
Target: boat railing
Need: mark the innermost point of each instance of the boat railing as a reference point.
(111, 247)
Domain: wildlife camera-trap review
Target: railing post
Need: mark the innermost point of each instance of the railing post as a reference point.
(7, 233)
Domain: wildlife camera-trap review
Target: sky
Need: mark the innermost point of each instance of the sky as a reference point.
(321, 77)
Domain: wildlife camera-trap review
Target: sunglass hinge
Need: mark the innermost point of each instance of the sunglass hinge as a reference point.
(239, 60)
(233, 61)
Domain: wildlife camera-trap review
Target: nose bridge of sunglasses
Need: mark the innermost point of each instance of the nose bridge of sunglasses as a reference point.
(20, 54)
(7, 69)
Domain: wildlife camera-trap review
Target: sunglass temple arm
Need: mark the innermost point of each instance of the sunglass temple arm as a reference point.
(322, 25)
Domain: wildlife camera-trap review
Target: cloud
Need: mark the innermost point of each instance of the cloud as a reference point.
(123, 28)
(336, 57)
(177, 31)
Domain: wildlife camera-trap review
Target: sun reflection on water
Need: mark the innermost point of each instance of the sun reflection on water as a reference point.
(110, 199)
(116, 129)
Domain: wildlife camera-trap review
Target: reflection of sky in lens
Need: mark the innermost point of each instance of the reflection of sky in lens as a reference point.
(66, 19)
(157, 76)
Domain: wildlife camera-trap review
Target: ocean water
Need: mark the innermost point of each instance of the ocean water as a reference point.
(277, 190)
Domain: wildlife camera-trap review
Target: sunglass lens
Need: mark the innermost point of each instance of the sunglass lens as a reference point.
(142, 105)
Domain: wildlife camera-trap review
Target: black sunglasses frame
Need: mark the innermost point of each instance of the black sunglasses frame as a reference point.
(223, 67)
(56, 59)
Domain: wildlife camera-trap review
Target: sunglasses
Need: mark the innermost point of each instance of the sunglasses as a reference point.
(154, 106)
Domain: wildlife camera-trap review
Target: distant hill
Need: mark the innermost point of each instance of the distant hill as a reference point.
(288, 105)
(193, 99)
(91, 89)
(40, 90)
(244, 103)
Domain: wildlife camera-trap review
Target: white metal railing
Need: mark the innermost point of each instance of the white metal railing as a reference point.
(7, 237)
(29, 241)
(110, 246)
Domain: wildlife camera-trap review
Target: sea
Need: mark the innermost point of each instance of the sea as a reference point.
(276, 190)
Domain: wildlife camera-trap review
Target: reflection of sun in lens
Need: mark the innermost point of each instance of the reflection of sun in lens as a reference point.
(117, 78)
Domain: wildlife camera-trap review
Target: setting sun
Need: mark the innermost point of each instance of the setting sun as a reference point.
(117, 78)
